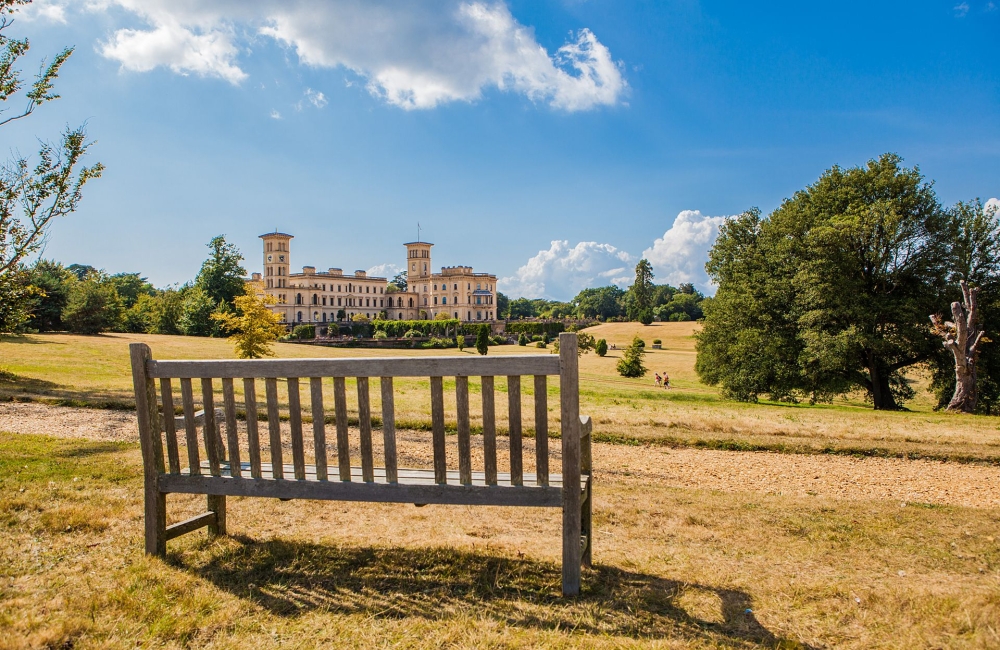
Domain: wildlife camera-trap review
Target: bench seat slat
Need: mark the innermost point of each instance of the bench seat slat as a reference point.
(366, 367)
(408, 490)
(408, 476)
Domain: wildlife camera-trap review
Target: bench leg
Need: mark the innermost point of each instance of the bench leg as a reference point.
(156, 521)
(571, 548)
(585, 526)
(217, 504)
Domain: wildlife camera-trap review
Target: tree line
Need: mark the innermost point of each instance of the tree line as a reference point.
(834, 292)
(637, 303)
(85, 300)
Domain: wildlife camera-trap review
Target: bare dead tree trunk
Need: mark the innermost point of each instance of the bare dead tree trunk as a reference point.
(962, 337)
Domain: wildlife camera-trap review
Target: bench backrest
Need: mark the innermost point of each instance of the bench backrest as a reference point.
(156, 382)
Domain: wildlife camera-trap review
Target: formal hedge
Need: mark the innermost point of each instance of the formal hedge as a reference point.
(532, 328)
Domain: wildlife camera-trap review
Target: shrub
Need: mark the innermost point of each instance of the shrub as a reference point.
(601, 348)
(540, 344)
(497, 340)
(410, 334)
(657, 341)
(522, 339)
(398, 328)
(304, 332)
(460, 341)
(380, 335)
(630, 365)
(483, 340)
(646, 316)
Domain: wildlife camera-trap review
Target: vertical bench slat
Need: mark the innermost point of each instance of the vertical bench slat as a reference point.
(232, 435)
(274, 427)
(365, 426)
(514, 415)
(489, 432)
(167, 398)
(210, 430)
(319, 426)
(295, 423)
(464, 444)
(541, 430)
(437, 427)
(190, 432)
(389, 430)
(343, 443)
(253, 436)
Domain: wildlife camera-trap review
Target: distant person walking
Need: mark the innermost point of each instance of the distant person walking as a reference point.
(666, 381)
(658, 380)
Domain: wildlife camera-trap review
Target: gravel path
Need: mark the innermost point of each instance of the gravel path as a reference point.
(837, 477)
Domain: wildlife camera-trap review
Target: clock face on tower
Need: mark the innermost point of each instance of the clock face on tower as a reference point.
(281, 258)
(270, 257)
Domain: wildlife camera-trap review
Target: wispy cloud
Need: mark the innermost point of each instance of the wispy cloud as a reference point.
(411, 55)
(316, 98)
(275, 115)
(961, 9)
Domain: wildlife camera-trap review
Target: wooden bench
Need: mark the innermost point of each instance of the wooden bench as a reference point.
(226, 472)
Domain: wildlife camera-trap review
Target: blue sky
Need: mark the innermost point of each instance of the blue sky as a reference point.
(551, 143)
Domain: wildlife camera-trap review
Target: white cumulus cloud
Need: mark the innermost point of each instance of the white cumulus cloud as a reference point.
(560, 272)
(386, 270)
(992, 204)
(680, 254)
(412, 55)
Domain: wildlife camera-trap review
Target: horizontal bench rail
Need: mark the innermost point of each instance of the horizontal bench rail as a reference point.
(361, 367)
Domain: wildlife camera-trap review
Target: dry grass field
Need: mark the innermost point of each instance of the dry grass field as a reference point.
(699, 542)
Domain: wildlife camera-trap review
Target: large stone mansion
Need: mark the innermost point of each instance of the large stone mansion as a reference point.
(330, 296)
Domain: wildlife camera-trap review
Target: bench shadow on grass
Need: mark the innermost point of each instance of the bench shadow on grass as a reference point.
(289, 578)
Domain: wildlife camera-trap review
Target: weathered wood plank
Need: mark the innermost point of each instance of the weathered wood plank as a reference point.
(489, 431)
(154, 499)
(542, 429)
(253, 435)
(190, 525)
(569, 382)
(437, 429)
(514, 418)
(210, 430)
(232, 433)
(170, 425)
(389, 429)
(464, 443)
(190, 428)
(274, 424)
(586, 469)
(319, 425)
(368, 367)
(343, 441)
(295, 424)
(365, 427)
(371, 492)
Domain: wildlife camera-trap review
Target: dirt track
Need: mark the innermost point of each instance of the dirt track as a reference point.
(835, 477)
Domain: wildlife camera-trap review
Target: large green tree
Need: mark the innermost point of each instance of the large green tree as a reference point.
(974, 257)
(601, 302)
(222, 276)
(641, 293)
(831, 293)
(32, 194)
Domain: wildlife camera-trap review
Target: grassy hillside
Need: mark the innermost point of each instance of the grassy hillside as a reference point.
(94, 371)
